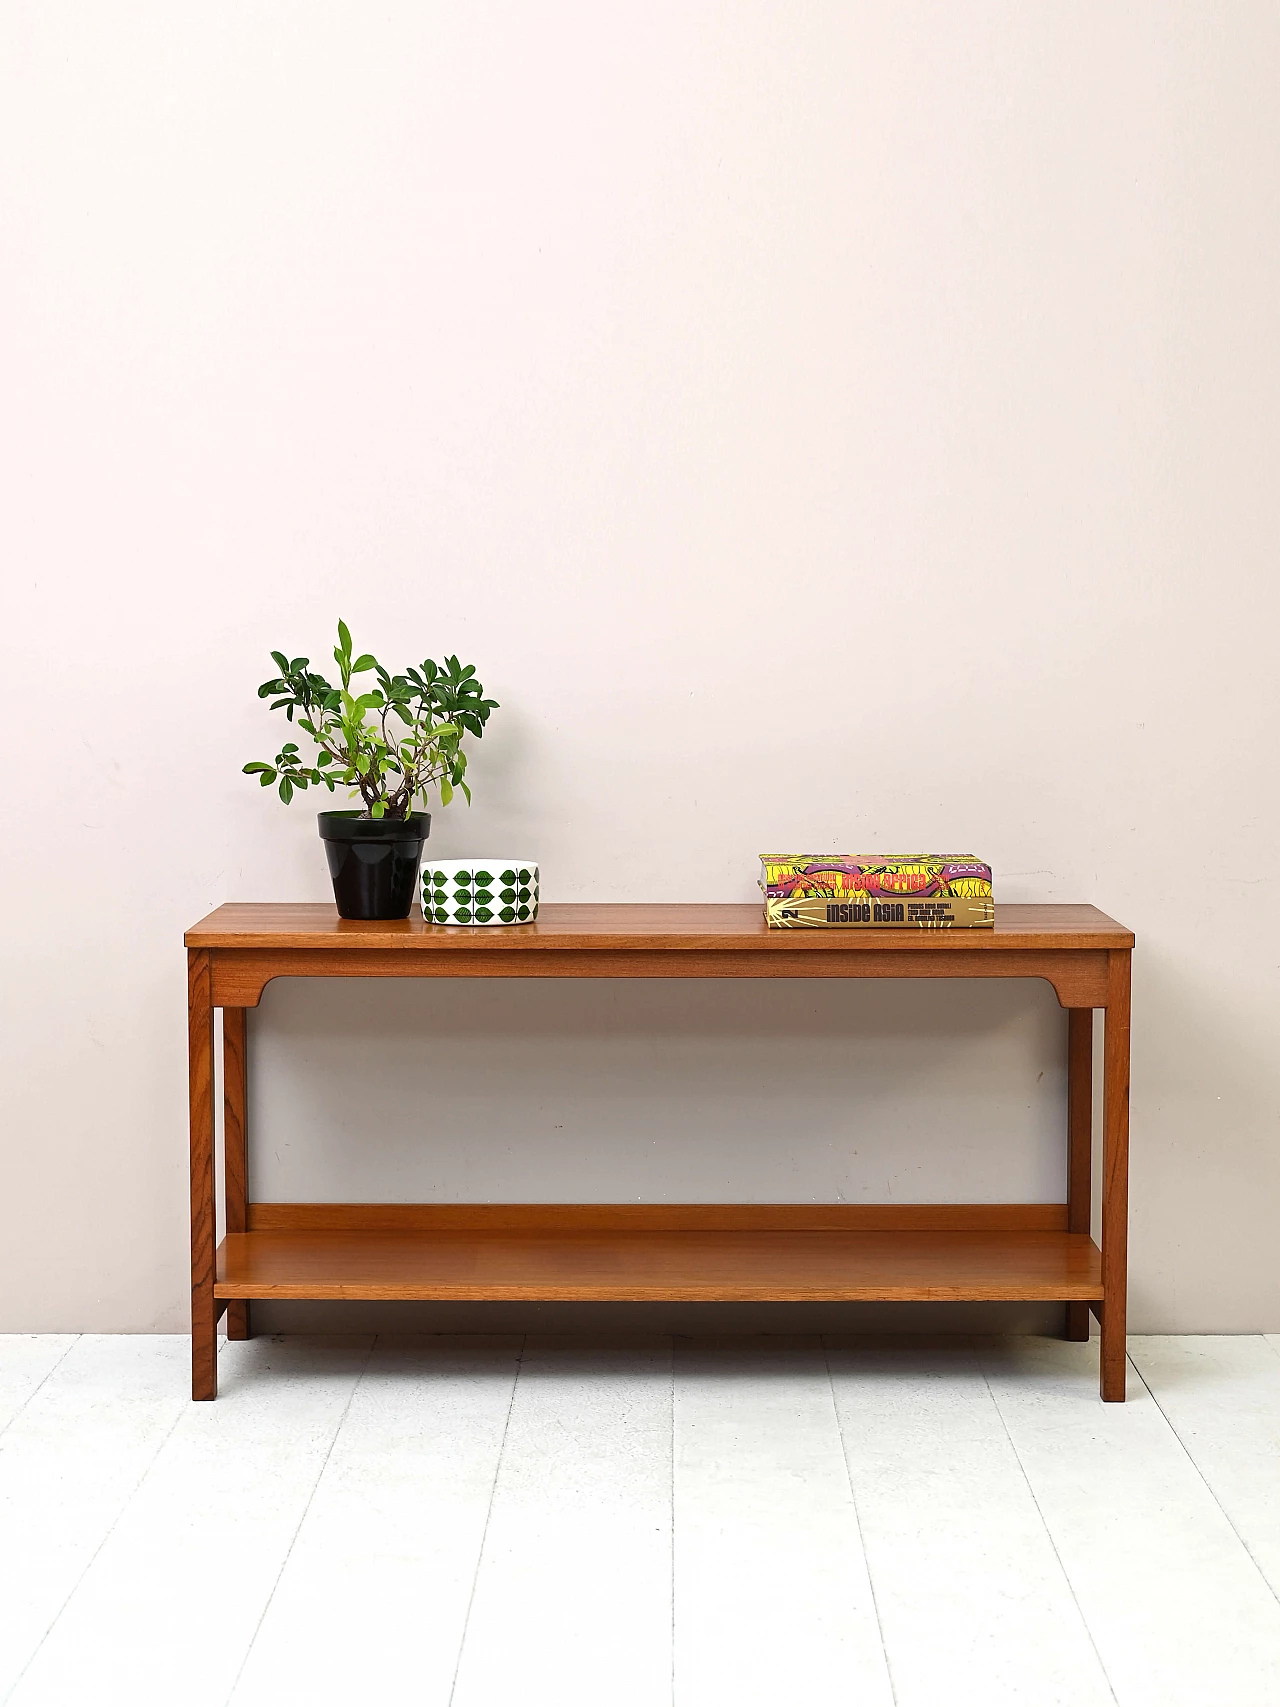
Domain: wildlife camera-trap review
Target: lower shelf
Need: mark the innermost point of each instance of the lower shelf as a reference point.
(661, 1265)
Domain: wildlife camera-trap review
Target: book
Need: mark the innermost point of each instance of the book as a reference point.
(870, 891)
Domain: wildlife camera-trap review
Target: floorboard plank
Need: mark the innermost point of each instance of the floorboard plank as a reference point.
(1180, 1614)
(772, 1599)
(956, 1547)
(26, 1360)
(168, 1608)
(391, 1540)
(1221, 1396)
(70, 1462)
(572, 1603)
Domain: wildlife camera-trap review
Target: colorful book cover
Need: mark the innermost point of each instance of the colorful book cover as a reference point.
(903, 891)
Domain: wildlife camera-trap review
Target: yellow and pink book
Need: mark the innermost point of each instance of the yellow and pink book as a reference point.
(870, 891)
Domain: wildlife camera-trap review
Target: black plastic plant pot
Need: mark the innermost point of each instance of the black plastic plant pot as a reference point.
(374, 862)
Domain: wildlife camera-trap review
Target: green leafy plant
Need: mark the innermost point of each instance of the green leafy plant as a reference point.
(388, 744)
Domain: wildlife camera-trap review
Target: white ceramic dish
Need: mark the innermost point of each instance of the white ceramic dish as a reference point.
(488, 891)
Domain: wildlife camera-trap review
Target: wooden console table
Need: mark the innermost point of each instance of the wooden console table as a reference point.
(673, 1251)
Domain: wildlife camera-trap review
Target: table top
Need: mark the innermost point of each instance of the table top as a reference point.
(667, 927)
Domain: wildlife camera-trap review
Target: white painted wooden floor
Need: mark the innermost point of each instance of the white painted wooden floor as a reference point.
(483, 1520)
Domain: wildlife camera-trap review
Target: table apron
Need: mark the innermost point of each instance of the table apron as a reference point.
(1079, 976)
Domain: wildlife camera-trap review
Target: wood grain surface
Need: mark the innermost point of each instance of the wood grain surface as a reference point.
(204, 1315)
(1115, 1178)
(642, 926)
(653, 1217)
(1079, 1144)
(661, 1266)
(1078, 976)
(235, 1156)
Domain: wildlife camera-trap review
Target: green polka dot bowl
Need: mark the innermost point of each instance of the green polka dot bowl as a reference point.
(480, 892)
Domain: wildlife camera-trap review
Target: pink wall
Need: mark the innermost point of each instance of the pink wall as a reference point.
(830, 425)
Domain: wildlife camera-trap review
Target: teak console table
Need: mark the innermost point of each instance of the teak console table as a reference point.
(689, 1251)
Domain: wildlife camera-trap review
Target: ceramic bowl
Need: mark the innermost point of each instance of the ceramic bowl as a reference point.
(498, 891)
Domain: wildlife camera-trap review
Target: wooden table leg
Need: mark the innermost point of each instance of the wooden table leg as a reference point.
(234, 1082)
(1079, 1144)
(1115, 1176)
(204, 1312)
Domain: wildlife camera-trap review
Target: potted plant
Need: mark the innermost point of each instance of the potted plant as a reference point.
(388, 745)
